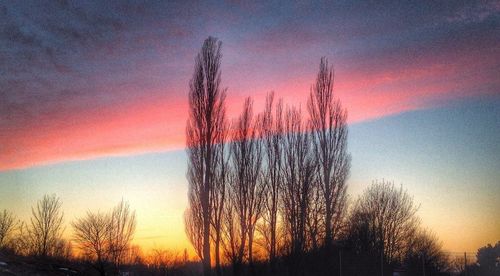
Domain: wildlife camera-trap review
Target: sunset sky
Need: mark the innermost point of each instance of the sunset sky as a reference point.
(93, 101)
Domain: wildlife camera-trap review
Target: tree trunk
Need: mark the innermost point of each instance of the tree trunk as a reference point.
(217, 254)
(328, 222)
(206, 235)
(272, 257)
(250, 250)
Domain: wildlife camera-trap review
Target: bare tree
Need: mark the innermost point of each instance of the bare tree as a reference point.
(46, 225)
(122, 223)
(218, 193)
(328, 122)
(7, 227)
(63, 250)
(91, 233)
(272, 135)
(164, 262)
(298, 180)
(232, 238)
(206, 121)
(21, 242)
(246, 189)
(387, 215)
(105, 238)
(315, 219)
(456, 264)
(134, 256)
(424, 254)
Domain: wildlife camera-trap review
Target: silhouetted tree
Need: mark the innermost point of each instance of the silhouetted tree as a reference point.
(329, 128)
(46, 226)
(91, 233)
(424, 252)
(63, 250)
(383, 221)
(206, 121)
(232, 241)
(298, 182)
(21, 242)
(245, 189)
(134, 256)
(362, 239)
(315, 219)
(105, 238)
(488, 258)
(272, 135)
(122, 228)
(164, 262)
(218, 194)
(456, 264)
(7, 227)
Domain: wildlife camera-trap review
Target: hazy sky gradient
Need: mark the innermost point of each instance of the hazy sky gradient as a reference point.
(92, 81)
(447, 158)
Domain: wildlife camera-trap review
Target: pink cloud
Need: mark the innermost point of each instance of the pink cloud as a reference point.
(157, 123)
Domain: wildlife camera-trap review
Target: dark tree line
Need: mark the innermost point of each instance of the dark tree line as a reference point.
(103, 243)
(274, 179)
(270, 188)
(41, 236)
(102, 239)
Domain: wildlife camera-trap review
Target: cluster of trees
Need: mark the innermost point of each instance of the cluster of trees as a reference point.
(271, 187)
(380, 232)
(41, 236)
(103, 239)
(488, 261)
(383, 232)
(271, 178)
